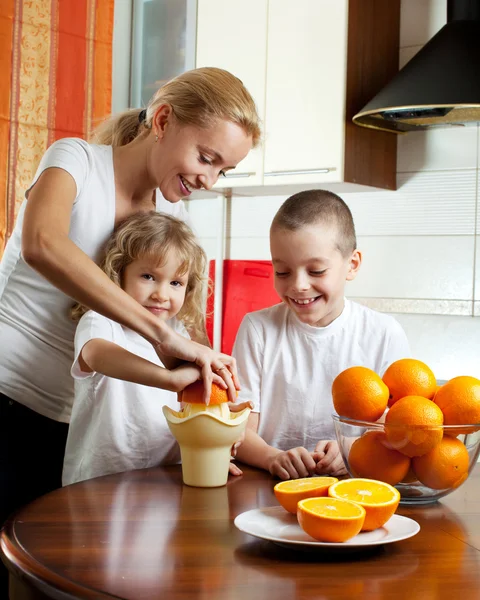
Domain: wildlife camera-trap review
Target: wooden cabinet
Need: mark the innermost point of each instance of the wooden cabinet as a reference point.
(310, 66)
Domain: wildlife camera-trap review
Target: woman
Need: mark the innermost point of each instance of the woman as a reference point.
(196, 127)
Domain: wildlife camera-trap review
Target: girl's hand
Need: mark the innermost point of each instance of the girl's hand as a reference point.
(184, 375)
(215, 366)
(239, 406)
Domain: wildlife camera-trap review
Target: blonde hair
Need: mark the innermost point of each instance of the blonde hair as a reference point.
(153, 235)
(199, 97)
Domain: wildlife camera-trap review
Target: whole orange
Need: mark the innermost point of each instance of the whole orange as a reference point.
(459, 400)
(445, 466)
(371, 456)
(359, 393)
(413, 425)
(409, 377)
(193, 394)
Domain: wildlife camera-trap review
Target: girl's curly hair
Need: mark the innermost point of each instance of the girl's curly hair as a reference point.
(153, 235)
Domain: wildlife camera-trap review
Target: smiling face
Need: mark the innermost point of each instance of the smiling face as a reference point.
(158, 288)
(310, 272)
(186, 157)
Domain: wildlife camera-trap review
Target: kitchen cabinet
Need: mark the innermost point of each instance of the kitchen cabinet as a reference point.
(310, 65)
(231, 35)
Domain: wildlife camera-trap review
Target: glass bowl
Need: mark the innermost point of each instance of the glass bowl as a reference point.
(379, 459)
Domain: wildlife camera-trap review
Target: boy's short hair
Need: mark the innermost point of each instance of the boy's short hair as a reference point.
(318, 206)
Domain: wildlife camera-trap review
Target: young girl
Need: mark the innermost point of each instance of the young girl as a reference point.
(117, 422)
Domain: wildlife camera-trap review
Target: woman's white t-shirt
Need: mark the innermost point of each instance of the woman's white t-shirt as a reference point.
(117, 425)
(36, 332)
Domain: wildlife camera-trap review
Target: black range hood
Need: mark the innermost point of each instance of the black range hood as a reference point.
(440, 86)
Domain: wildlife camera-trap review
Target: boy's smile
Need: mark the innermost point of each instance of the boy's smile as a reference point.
(310, 271)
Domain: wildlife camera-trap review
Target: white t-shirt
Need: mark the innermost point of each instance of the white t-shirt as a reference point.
(287, 367)
(117, 425)
(36, 332)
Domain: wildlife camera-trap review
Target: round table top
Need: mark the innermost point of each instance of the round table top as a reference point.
(144, 535)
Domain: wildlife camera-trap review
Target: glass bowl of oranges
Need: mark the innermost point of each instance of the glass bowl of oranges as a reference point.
(368, 452)
(407, 429)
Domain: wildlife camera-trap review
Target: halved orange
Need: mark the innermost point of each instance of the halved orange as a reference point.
(330, 519)
(290, 492)
(193, 394)
(379, 499)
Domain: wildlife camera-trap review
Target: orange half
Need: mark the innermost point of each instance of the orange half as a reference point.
(289, 493)
(193, 394)
(379, 499)
(330, 519)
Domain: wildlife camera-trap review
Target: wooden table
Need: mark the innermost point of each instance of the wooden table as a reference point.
(144, 535)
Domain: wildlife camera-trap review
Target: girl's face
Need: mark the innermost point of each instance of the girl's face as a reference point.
(187, 158)
(157, 288)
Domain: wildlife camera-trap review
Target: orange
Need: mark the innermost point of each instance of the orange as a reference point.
(379, 499)
(289, 493)
(445, 466)
(359, 393)
(330, 519)
(410, 477)
(193, 394)
(459, 400)
(414, 425)
(409, 377)
(371, 456)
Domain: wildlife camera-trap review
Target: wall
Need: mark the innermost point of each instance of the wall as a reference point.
(419, 243)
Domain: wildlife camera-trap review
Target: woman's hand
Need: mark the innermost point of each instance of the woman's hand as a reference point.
(215, 366)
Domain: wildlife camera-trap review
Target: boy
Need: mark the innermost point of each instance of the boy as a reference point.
(288, 355)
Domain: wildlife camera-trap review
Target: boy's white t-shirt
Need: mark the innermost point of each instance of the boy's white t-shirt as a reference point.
(117, 425)
(36, 332)
(287, 367)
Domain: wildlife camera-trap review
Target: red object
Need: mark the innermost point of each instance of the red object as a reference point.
(247, 286)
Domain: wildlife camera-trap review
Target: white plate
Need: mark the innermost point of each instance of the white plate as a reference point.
(277, 525)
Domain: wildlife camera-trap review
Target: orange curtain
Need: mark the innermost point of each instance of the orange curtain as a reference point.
(55, 81)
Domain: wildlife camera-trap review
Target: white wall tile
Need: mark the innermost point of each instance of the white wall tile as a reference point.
(438, 149)
(406, 54)
(419, 306)
(477, 275)
(426, 203)
(420, 20)
(438, 267)
(209, 244)
(449, 345)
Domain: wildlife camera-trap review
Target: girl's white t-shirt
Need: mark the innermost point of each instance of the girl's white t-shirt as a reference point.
(287, 367)
(117, 425)
(36, 332)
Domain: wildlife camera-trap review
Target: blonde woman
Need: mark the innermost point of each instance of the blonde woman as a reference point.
(117, 422)
(196, 127)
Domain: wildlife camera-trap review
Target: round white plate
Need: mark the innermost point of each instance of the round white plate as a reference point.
(277, 525)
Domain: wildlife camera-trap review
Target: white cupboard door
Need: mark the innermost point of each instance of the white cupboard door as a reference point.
(232, 35)
(305, 96)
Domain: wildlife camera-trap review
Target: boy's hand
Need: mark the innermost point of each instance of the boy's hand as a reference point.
(292, 464)
(328, 459)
